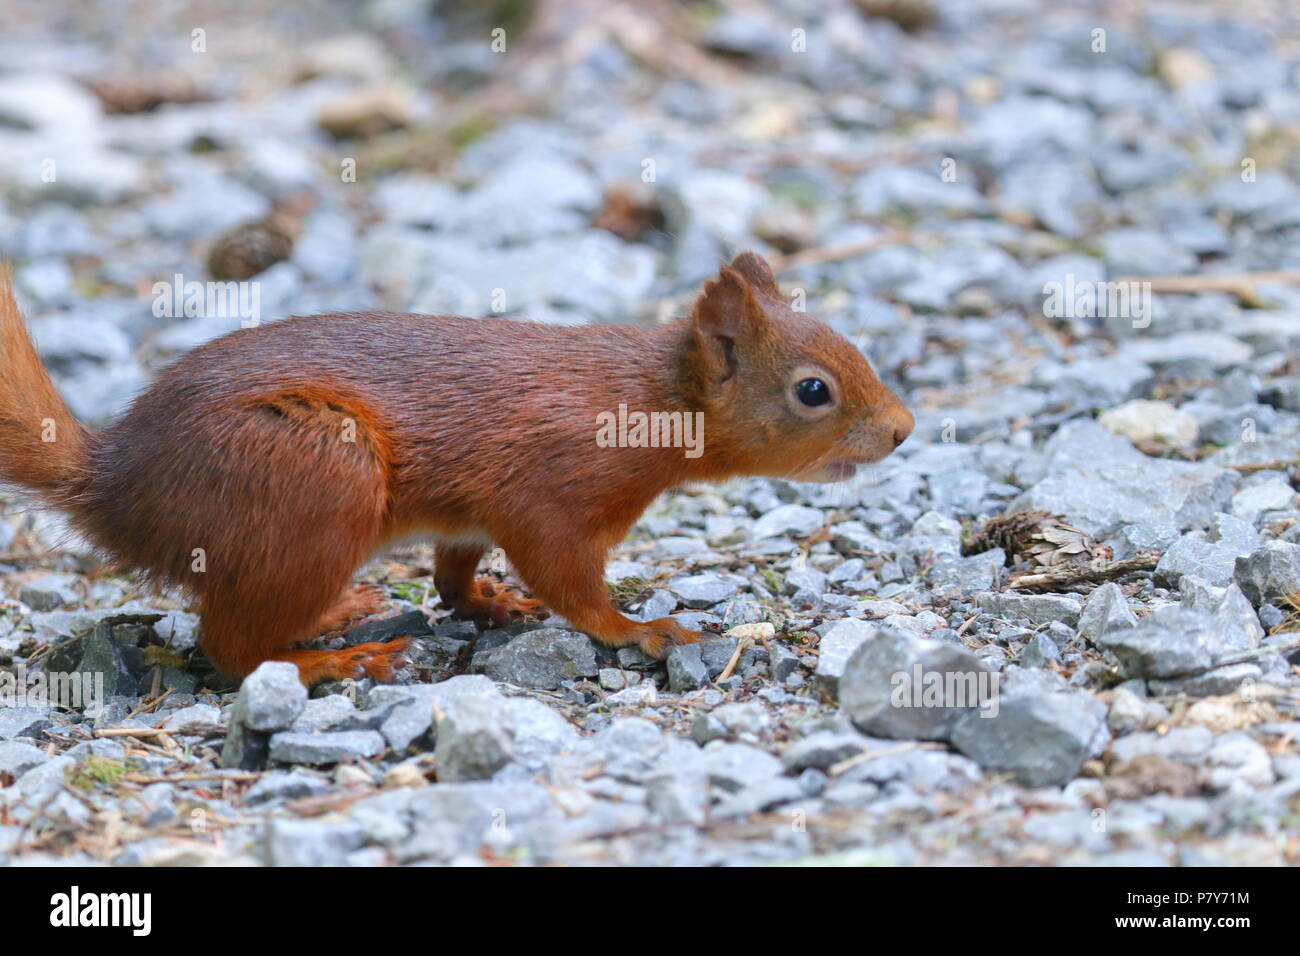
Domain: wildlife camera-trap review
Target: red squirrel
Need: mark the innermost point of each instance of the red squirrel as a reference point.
(262, 468)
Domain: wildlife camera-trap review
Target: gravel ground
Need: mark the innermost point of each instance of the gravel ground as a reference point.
(1097, 514)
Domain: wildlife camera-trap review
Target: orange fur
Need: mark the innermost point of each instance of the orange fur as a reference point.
(263, 467)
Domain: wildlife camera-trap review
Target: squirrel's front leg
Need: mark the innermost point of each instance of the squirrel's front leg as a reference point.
(571, 580)
(477, 598)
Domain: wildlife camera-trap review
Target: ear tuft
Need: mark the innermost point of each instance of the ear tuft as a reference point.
(756, 271)
(725, 305)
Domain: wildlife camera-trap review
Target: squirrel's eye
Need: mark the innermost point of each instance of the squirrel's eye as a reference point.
(813, 392)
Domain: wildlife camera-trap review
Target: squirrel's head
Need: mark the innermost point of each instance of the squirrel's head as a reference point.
(783, 394)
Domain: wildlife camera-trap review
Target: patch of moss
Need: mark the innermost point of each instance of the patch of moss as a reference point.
(97, 770)
(624, 592)
(413, 591)
(772, 580)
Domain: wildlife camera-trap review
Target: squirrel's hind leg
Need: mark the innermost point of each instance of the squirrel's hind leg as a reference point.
(240, 632)
(304, 503)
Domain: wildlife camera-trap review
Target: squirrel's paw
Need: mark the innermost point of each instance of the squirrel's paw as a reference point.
(499, 605)
(353, 603)
(377, 659)
(656, 638)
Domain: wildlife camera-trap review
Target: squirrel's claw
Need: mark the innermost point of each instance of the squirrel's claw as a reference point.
(656, 638)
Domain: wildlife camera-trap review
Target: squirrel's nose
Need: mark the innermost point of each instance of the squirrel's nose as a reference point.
(903, 424)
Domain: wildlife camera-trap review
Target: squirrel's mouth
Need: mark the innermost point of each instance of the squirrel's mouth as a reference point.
(839, 470)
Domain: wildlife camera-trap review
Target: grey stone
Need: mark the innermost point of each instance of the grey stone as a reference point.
(747, 720)
(1131, 539)
(638, 695)
(1272, 495)
(1099, 482)
(634, 659)
(804, 580)
(798, 521)
(716, 653)
(1037, 608)
(278, 787)
(1272, 572)
(23, 721)
(901, 686)
(16, 757)
(701, 591)
(540, 659)
(1043, 738)
(244, 748)
(1235, 759)
(761, 796)
(1222, 680)
(457, 817)
(474, 741)
(837, 644)
(441, 694)
(822, 750)
(103, 661)
(612, 678)
(686, 669)
(324, 713)
(37, 788)
(1172, 642)
(405, 724)
(1099, 382)
(904, 189)
(679, 797)
(326, 247)
(1232, 533)
(272, 697)
(784, 663)
(1239, 625)
(538, 733)
(735, 766)
(309, 843)
(1143, 252)
(1179, 744)
(1214, 349)
(1264, 450)
(1105, 611)
(850, 537)
(660, 603)
(957, 577)
(445, 274)
(706, 727)
(196, 719)
(1193, 555)
(49, 592)
(327, 747)
(1127, 711)
(203, 205)
(1038, 651)
(630, 748)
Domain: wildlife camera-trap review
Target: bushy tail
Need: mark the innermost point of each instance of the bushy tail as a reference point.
(42, 446)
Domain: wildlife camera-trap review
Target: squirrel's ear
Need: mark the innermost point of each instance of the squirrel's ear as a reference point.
(756, 271)
(724, 313)
(726, 307)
